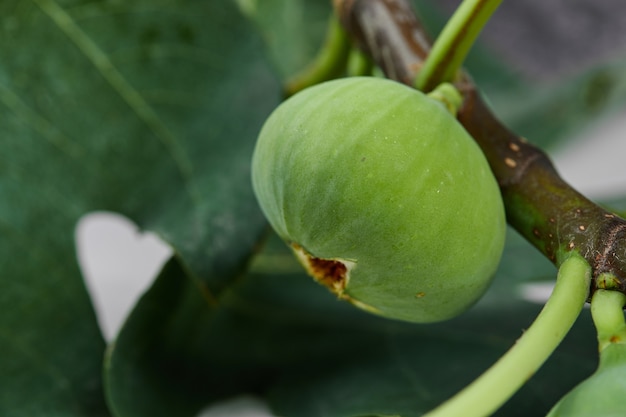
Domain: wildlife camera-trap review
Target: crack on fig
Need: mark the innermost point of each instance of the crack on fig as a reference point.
(330, 273)
(334, 274)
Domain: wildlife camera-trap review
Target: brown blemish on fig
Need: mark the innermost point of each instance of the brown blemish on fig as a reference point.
(329, 273)
(332, 273)
(420, 294)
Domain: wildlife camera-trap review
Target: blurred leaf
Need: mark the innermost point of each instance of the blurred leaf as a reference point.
(277, 333)
(380, 367)
(150, 109)
(293, 30)
(580, 79)
(407, 372)
(161, 363)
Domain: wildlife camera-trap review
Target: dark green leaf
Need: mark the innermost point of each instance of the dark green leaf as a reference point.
(293, 30)
(370, 366)
(145, 108)
(161, 363)
(277, 333)
(408, 370)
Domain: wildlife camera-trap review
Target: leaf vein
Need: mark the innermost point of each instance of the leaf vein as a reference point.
(40, 124)
(120, 84)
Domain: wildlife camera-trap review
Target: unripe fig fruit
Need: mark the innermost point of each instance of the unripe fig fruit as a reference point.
(383, 196)
(603, 394)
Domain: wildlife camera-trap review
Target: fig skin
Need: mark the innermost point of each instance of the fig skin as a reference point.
(603, 394)
(379, 184)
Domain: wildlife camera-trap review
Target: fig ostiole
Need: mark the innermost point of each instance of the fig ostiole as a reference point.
(383, 196)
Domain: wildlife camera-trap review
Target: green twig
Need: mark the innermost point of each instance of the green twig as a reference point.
(489, 391)
(330, 62)
(454, 42)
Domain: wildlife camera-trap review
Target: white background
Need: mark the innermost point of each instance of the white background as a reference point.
(119, 262)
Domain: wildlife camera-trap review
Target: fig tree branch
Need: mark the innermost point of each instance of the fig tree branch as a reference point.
(540, 205)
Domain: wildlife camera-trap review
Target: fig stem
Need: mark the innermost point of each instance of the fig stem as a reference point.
(608, 316)
(449, 96)
(496, 385)
(359, 64)
(329, 63)
(454, 43)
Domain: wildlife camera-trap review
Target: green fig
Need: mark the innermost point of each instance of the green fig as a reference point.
(603, 394)
(383, 196)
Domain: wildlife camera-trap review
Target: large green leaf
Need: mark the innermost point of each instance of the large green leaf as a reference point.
(357, 365)
(277, 333)
(161, 362)
(145, 108)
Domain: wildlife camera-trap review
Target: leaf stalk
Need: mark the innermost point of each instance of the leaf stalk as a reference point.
(454, 43)
(330, 62)
(496, 385)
